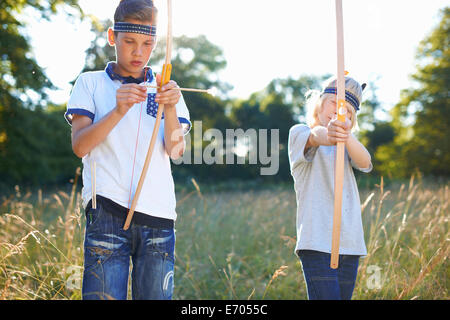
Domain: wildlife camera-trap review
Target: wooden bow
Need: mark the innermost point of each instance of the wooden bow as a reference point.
(165, 78)
(340, 148)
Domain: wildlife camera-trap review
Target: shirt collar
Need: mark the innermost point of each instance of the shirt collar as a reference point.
(148, 75)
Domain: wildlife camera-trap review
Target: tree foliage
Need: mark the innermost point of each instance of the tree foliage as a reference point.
(35, 140)
(29, 149)
(423, 145)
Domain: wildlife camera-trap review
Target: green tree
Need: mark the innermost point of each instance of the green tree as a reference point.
(21, 75)
(424, 145)
(374, 132)
(279, 106)
(99, 52)
(25, 144)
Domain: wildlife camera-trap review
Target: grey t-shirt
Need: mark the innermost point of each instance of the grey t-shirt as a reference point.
(313, 175)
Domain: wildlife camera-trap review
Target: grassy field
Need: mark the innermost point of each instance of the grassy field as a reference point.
(236, 244)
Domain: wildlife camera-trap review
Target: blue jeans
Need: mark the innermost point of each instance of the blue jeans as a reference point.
(324, 283)
(107, 252)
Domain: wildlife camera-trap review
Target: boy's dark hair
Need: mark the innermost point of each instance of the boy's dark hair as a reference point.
(142, 10)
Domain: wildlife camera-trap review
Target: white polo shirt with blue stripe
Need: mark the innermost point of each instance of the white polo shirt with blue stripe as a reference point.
(94, 95)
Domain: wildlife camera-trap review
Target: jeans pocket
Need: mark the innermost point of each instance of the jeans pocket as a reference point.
(95, 255)
(163, 241)
(92, 217)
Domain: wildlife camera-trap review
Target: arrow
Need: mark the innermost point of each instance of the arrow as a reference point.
(211, 91)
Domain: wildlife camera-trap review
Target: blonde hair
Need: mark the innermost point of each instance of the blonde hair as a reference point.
(315, 100)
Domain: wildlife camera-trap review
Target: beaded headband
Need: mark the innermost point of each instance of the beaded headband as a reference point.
(135, 28)
(349, 97)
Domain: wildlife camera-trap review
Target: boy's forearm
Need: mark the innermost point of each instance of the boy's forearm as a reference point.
(173, 133)
(358, 153)
(89, 137)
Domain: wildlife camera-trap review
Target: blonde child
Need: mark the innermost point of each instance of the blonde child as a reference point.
(312, 152)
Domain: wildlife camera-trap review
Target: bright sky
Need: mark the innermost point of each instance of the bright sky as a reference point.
(263, 40)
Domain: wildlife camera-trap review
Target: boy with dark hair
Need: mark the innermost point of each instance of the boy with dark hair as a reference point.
(111, 133)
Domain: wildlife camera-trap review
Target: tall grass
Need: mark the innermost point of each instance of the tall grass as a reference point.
(40, 245)
(409, 241)
(236, 244)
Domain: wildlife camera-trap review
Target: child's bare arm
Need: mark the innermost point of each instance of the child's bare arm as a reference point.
(340, 132)
(358, 153)
(86, 136)
(173, 132)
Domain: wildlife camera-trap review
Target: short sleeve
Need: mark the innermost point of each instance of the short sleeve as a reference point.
(298, 137)
(81, 99)
(183, 115)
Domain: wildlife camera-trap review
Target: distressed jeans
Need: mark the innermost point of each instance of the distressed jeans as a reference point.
(325, 283)
(107, 252)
